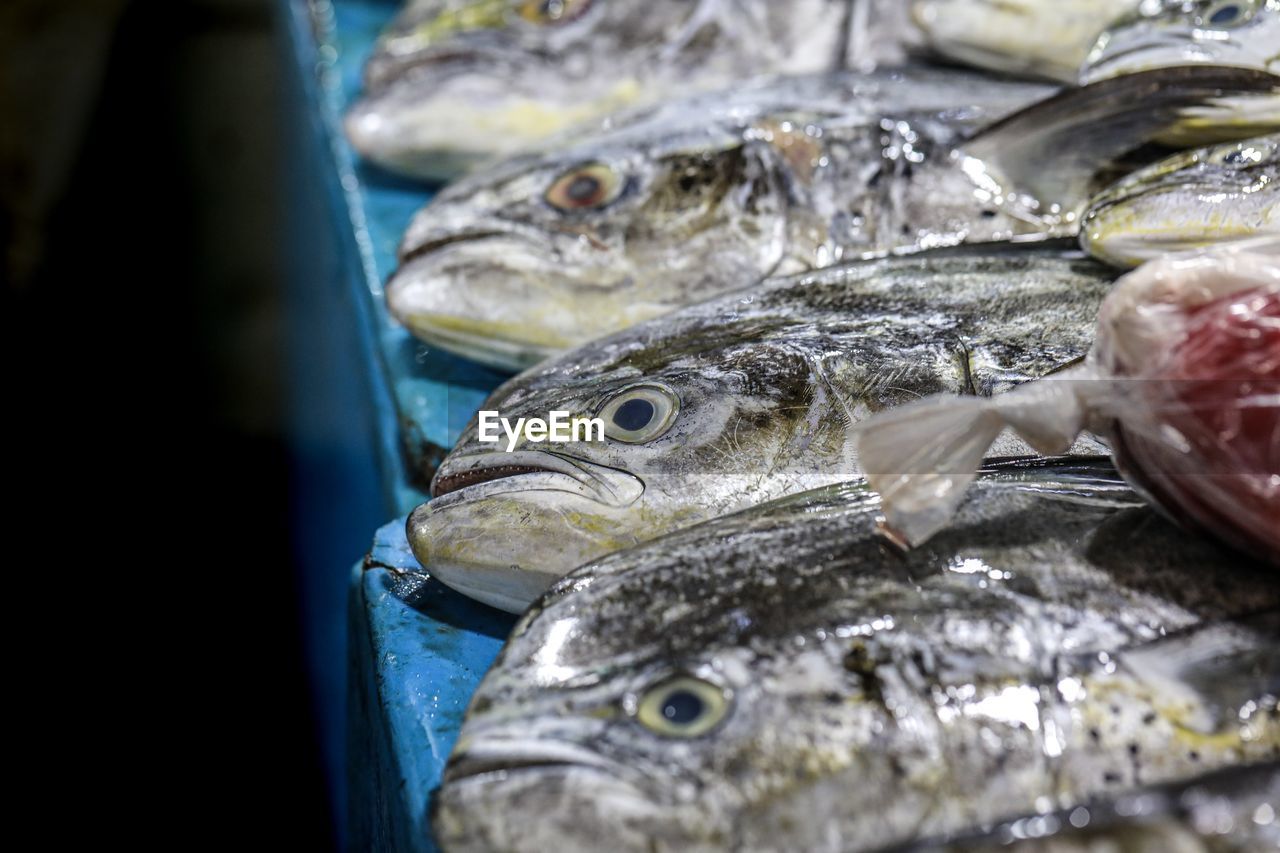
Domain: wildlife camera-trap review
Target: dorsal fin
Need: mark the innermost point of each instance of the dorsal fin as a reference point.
(1054, 150)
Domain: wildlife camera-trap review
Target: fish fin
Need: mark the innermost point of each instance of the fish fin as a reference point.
(1056, 150)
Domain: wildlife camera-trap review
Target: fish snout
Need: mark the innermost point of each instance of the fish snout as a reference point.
(506, 526)
(463, 291)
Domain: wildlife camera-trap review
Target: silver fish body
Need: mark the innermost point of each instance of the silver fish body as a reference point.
(694, 198)
(454, 84)
(749, 396)
(1236, 810)
(691, 199)
(784, 679)
(1191, 200)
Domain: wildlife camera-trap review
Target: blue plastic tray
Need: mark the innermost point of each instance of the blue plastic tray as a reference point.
(416, 649)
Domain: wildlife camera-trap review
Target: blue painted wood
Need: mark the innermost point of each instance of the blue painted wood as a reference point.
(416, 650)
(421, 651)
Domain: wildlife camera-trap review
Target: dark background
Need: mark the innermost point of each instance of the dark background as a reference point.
(143, 149)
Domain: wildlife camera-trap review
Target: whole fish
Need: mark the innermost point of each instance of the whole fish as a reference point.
(1229, 811)
(455, 83)
(692, 199)
(1042, 38)
(783, 679)
(738, 401)
(1240, 33)
(1194, 199)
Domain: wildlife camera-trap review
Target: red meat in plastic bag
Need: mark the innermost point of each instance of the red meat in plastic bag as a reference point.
(1212, 454)
(1183, 379)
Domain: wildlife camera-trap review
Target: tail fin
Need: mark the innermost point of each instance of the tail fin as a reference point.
(1055, 150)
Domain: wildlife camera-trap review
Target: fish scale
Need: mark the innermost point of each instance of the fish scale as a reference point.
(1061, 642)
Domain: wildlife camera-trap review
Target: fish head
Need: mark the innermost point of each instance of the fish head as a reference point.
(1047, 38)
(1193, 199)
(519, 262)
(644, 704)
(692, 421)
(1244, 33)
(1238, 33)
(458, 83)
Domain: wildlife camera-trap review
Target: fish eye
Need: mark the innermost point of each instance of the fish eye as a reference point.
(588, 187)
(1227, 14)
(552, 11)
(640, 413)
(682, 706)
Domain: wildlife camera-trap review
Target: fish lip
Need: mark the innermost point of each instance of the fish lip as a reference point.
(443, 61)
(435, 244)
(458, 480)
(508, 755)
(606, 485)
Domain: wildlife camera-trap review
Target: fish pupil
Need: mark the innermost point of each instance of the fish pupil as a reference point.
(1225, 15)
(682, 707)
(583, 189)
(633, 415)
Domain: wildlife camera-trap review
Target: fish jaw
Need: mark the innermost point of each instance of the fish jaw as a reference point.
(573, 800)
(1130, 231)
(504, 540)
(510, 301)
(437, 122)
(1046, 38)
(1192, 200)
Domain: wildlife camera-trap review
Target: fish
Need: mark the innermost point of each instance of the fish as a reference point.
(454, 84)
(1228, 811)
(1239, 33)
(739, 400)
(1050, 39)
(1191, 200)
(541, 253)
(1243, 33)
(787, 679)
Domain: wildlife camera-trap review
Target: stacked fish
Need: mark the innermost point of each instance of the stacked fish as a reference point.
(733, 231)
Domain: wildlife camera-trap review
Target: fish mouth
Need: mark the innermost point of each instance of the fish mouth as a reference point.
(464, 477)
(436, 244)
(508, 756)
(442, 486)
(454, 289)
(383, 69)
(505, 526)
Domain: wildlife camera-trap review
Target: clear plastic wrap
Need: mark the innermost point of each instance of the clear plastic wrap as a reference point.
(1183, 381)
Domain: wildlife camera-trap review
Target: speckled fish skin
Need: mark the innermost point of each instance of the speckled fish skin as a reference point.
(700, 197)
(764, 384)
(453, 86)
(1194, 199)
(1242, 33)
(713, 193)
(1229, 811)
(1044, 38)
(1062, 642)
